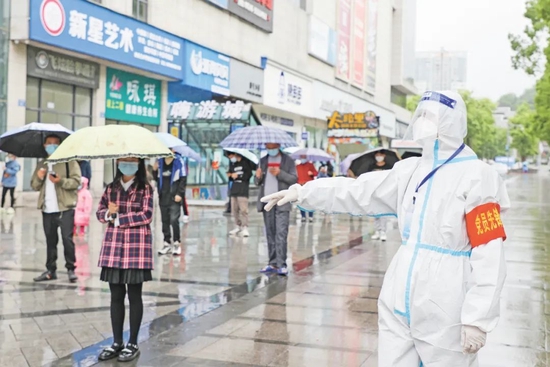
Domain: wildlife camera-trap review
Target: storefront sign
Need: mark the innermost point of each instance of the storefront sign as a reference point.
(276, 119)
(206, 69)
(94, 30)
(257, 12)
(247, 82)
(353, 125)
(287, 91)
(344, 39)
(372, 34)
(62, 68)
(329, 99)
(322, 41)
(209, 110)
(359, 15)
(133, 98)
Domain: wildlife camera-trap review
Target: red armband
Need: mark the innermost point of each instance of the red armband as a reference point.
(483, 224)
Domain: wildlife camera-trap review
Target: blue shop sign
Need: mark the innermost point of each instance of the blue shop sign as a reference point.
(206, 69)
(96, 31)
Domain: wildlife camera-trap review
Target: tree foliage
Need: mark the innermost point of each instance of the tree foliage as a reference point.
(514, 101)
(483, 137)
(523, 128)
(533, 59)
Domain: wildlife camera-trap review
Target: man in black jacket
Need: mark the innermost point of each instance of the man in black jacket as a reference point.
(240, 172)
(171, 176)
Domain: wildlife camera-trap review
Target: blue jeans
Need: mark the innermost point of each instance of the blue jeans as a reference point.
(303, 212)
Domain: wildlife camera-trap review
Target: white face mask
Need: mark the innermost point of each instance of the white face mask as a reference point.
(379, 158)
(424, 129)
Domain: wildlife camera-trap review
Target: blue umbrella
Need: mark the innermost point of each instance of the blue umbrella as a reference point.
(28, 140)
(312, 154)
(256, 137)
(170, 140)
(186, 151)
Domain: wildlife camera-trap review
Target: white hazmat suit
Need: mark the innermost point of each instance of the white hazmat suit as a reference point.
(444, 282)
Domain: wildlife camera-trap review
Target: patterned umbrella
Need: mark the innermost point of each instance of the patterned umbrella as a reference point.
(256, 137)
(312, 154)
(110, 142)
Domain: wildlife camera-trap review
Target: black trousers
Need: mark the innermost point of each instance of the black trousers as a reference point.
(170, 215)
(5, 190)
(52, 222)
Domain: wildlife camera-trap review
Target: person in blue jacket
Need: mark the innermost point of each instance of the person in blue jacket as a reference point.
(9, 180)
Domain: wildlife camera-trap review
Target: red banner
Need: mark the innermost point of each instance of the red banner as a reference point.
(484, 224)
(344, 40)
(359, 40)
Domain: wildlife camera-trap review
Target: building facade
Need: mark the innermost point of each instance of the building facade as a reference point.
(330, 73)
(441, 70)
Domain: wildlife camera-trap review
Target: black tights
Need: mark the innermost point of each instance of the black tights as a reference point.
(118, 294)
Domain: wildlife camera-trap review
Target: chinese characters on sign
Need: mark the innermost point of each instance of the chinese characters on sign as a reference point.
(94, 30)
(132, 98)
(484, 224)
(207, 69)
(344, 40)
(276, 119)
(356, 125)
(57, 67)
(209, 110)
(289, 92)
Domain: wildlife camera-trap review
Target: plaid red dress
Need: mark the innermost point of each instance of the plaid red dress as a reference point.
(130, 245)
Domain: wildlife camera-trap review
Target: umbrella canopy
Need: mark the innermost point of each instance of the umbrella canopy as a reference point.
(28, 141)
(366, 161)
(256, 137)
(110, 142)
(409, 154)
(312, 154)
(344, 165)
(170, 140)
(245, 153)
(186, 151)
(290, 150)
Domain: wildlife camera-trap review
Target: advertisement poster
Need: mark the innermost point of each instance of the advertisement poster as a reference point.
(372, 34)
(344, 40)
(359, 15)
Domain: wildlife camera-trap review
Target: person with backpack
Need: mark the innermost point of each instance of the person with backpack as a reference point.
(9, 181)
(58, 186)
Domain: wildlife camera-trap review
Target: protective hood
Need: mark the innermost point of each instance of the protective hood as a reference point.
(84, 182)
(442, 116)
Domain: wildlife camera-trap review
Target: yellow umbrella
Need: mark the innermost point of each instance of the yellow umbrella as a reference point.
(110, 142)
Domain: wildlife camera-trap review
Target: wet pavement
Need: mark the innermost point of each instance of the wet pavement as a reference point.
(210, 307)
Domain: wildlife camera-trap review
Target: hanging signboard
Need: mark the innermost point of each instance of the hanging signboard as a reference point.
(209, 110)
(353, 125)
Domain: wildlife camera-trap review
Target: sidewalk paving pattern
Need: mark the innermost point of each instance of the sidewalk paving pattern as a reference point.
(211, 307)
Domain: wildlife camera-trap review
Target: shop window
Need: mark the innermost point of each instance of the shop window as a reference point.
(32, 93)
(139, 10)
(56, 97)
(83, 101)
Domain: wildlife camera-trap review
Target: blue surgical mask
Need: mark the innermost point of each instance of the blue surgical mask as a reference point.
(273, 152)
(128, 168)
(51, 148)
(233, 160)
(303, 161)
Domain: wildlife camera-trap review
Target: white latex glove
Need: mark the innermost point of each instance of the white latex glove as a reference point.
(282, 197)
(473, 339)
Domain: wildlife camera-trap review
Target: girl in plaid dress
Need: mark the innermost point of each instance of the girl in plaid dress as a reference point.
(126, 255)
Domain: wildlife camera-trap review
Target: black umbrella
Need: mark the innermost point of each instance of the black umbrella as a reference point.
(28, 141)
(409, 154)
(366, 162)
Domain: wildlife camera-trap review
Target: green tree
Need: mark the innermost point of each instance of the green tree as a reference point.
(533, 59)
(508, 100)
(513, 101)
(412, 102)
(523, 131)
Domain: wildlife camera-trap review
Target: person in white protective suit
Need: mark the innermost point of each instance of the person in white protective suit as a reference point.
(441, 292)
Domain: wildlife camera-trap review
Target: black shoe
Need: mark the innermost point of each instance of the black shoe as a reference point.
(110, 352)
(45, 276)
(129, 353)
(72, 276)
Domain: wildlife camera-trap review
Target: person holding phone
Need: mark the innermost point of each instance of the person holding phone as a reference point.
(58, 186)
(277, 171)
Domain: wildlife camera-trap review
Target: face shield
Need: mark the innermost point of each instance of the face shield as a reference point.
(438, 116)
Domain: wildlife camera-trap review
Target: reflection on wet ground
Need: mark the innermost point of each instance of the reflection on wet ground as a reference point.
(210, 307)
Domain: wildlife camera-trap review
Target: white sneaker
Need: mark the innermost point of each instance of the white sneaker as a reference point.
(244, 232)
(383, 236)
(310, 220)
(235, 231)
(166, 249)
(185, 219)
(176, 251)
(10, 211)
(375, 236)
